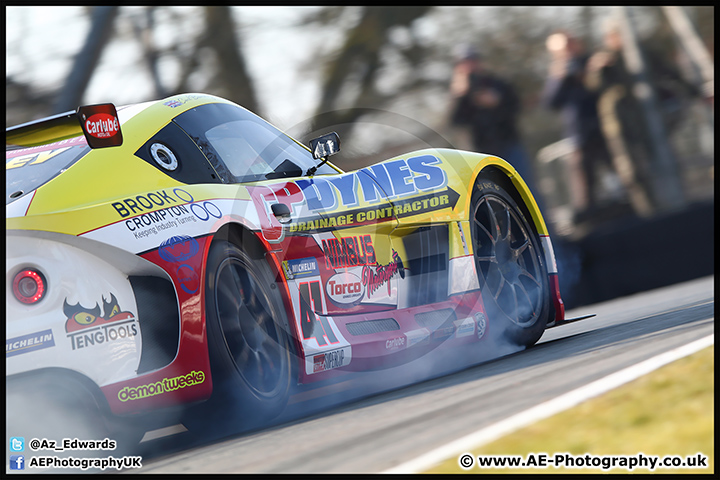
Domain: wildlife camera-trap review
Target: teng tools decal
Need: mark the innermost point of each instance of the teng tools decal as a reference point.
(86, 327)
(100, 125)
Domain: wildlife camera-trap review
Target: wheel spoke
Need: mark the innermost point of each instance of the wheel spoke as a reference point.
(529, 298)
(491, 258)
(507, 223)
(527, 274)
(494, 227)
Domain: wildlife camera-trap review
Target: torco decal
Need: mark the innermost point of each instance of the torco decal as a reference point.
(85, 327)
(151, 201)
(29, 343)
(348, 252)
(163, 386)
(178, 248)
(345, 289)
(389, 180)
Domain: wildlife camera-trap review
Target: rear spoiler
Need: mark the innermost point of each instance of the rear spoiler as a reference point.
(99, 123)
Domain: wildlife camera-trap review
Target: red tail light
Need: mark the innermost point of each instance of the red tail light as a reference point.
(29, 286)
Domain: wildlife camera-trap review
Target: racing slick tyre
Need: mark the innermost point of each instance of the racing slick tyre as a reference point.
(508, 257)
(248, 335)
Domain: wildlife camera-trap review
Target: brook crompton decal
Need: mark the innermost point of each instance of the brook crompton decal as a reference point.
(85, 327)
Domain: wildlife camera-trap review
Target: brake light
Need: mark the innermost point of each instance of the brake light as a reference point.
(29, 286)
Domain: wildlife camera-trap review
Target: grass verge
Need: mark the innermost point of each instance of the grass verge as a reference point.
(667, 412)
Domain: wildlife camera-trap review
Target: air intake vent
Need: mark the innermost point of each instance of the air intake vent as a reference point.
(372, 326)
(436, 318)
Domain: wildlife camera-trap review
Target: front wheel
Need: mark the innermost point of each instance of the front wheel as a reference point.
(247, 334)
(508, 259)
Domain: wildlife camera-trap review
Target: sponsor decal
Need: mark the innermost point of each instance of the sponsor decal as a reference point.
(150, 201)
(29, 343)
(178, 248)
(443, 332)
(85, 327)
(302, 267)
(102, 125)
(374, 278)
(162, 386)
(420, 336)
(345, 289)
(348, 252)
(188, 279)
(464, 327)
(32, 158)
(395, 343)
(481, 324)
(389, 180)
(329, 360)
(179, 101)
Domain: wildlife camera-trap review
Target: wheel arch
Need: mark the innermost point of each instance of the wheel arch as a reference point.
(243, 237)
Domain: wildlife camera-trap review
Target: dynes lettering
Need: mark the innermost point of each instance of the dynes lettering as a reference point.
(348, 252)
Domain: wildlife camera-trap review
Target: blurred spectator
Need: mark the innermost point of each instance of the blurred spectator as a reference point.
(488, 106)
(620, 110)
(565, 91)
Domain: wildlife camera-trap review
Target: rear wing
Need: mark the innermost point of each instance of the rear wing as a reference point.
(99, 123)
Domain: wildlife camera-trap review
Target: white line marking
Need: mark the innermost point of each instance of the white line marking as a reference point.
(549, 408)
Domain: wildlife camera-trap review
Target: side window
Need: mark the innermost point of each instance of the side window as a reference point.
(250, 148)
(175, 154)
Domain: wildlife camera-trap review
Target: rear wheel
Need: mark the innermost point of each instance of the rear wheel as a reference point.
(509, 263)
(247, 334)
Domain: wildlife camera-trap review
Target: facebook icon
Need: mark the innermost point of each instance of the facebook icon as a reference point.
(17, 462)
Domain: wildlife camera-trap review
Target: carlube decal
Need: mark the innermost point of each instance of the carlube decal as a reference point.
(162, 386)
(102, 125)
(86, 327)
(29, 343)
(389, 180)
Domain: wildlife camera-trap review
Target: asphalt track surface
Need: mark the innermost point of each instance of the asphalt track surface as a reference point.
(384, 430)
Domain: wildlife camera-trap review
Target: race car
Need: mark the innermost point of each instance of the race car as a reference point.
(170, 253)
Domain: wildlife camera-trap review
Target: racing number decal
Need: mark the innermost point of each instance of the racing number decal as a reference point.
(312, 327)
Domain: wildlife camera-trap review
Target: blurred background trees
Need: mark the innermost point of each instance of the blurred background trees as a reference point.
(377, 75)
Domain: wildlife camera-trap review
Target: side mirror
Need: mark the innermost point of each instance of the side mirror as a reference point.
(325, 146)
(281, 212)
(322, 148)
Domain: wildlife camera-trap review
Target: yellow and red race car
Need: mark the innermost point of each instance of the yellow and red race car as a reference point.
(168, 252)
